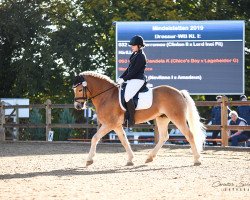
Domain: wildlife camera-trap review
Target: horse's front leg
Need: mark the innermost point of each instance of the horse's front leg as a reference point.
(124, 140)
(94, 141)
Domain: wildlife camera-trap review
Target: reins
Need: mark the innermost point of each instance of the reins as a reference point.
(85, 97)
(102, 92)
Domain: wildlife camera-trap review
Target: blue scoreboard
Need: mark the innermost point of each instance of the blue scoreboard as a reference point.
(203, 57)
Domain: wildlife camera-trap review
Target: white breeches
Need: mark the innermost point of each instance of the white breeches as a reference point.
(133, 86)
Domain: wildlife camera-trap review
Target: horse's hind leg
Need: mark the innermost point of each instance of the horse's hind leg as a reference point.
(162, 124)
(94, 141)
(190, 138)
(123, 138)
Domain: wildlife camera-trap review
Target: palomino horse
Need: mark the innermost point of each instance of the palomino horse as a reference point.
(169, 104)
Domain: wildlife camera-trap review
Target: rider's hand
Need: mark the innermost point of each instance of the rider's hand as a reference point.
(120, 81)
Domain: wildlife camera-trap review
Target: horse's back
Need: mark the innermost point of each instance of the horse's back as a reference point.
(169, 97)
(167, 90)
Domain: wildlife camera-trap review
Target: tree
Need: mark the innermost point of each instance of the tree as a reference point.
(65, 118)
(220, 10)
(36, 118)
(44, 43)
(101, 15)
(18, 29)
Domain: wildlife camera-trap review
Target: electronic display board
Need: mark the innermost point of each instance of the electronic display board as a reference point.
(203, 57)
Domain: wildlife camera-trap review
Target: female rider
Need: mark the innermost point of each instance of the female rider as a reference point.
(134, 75)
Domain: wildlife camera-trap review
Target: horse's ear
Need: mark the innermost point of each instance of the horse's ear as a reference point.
(78, 80)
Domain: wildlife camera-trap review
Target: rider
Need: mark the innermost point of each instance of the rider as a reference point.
(134, 75)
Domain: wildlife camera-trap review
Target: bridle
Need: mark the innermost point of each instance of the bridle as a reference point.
(84, 96)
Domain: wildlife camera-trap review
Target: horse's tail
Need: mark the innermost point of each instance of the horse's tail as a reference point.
(196, 126)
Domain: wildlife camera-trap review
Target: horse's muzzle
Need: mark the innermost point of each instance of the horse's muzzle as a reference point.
(79, 106)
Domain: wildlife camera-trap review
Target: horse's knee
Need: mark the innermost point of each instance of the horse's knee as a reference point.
(96, 138)
(164, 137)
(125, 142)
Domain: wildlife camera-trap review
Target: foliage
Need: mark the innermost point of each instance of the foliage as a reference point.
(220, 10)
(22, 30)
(65, 118)
(43, 43)
(36, 118)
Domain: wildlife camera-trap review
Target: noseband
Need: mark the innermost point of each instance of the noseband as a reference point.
(84, 96)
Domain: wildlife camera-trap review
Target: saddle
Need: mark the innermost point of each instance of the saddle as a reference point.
(142, 100)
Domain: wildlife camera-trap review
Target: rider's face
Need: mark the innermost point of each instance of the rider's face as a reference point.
(134, 48)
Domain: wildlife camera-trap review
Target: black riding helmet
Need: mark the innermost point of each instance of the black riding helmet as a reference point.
(137, 40)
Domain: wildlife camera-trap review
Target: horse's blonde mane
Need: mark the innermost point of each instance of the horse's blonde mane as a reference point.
(98, 75)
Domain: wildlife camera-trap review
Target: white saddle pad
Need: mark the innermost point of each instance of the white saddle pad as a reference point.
(144, 102)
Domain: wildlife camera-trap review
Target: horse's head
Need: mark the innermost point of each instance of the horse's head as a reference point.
(80, 92)
(89, 85)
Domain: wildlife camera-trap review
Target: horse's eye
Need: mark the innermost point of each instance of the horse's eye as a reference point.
(80, 90)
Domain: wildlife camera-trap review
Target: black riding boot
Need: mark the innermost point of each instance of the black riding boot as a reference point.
(131, 111)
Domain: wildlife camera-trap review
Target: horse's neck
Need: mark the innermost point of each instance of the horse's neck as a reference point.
(99, 87)
(102, 92)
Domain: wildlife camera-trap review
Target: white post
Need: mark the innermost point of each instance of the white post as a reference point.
(16, 129)
(48, 118)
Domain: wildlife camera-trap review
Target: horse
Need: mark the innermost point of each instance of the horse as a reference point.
(169, 104)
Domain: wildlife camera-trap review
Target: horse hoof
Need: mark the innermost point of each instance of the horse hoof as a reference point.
(149, 160)
(130, 163)
(197, 163)
(89, 162)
